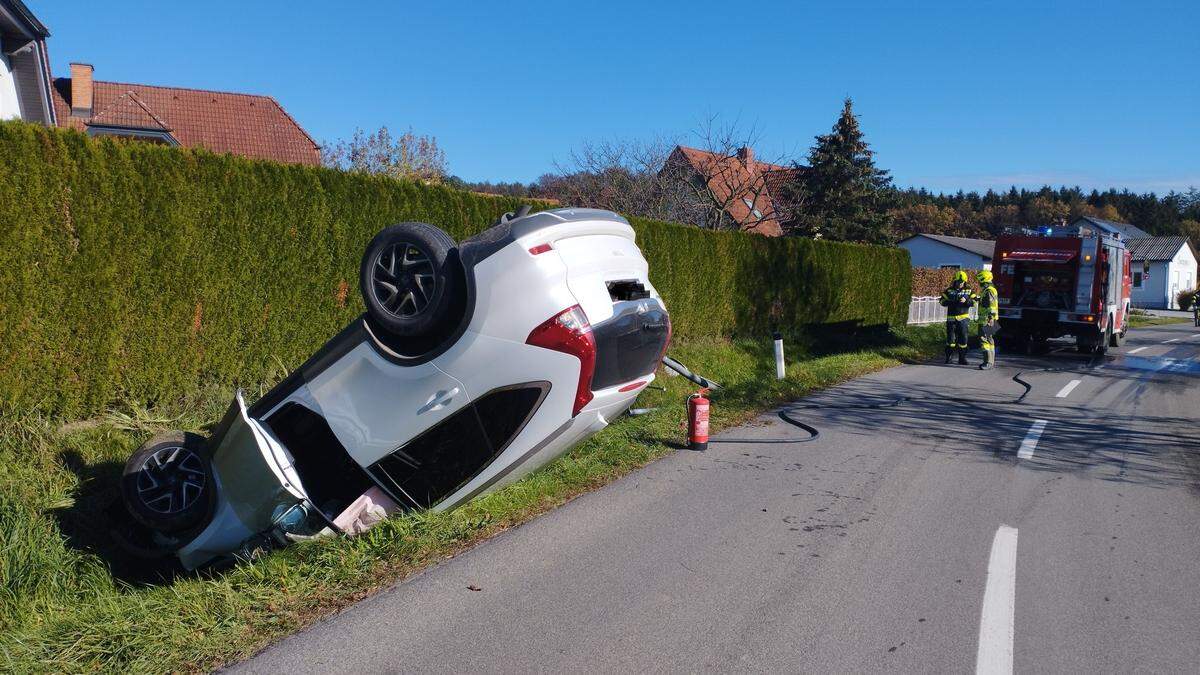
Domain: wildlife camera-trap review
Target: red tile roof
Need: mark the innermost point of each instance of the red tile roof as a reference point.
(128, 111)
(778, 181)
(242, 124)
(736, 180)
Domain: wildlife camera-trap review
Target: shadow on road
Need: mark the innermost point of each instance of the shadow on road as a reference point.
(1123, 440)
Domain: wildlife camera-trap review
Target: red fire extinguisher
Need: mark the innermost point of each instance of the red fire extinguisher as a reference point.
(697, 408)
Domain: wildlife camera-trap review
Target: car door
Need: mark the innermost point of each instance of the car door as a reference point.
(374, 405)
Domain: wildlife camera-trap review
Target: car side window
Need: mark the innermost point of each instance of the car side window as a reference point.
(437, 463)
(503, 413)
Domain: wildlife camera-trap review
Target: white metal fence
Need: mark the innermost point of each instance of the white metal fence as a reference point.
(926, 309)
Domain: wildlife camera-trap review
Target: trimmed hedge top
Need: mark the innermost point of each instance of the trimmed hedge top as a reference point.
(141, 272)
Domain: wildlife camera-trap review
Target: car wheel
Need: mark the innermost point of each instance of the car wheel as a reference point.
(407, 280)
(167, 484)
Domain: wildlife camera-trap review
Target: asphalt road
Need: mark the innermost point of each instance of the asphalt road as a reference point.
(931, 536)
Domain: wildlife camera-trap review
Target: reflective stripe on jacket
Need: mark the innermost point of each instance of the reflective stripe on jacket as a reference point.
(957, 302)
(989, 303)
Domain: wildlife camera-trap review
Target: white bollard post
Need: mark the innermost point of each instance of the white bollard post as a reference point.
(780, 366)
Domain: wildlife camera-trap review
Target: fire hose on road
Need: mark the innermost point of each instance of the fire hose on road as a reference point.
(786, 413)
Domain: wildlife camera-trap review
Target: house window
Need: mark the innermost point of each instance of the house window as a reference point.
(1137, 279)
(757, 213)
(950, 267)
(146, 135)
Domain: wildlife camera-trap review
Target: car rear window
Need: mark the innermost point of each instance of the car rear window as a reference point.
(629, 344)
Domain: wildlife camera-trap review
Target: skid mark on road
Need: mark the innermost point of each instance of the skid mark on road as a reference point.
(995, 653)
(1066, 391)
(1031, 439)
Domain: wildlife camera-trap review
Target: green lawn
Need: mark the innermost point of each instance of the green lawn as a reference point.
(70, 602)
(1143, 320)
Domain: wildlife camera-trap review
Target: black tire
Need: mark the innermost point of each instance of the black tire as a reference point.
(1118, 338)
(1087, 346)
(406, 280)
(167, 484)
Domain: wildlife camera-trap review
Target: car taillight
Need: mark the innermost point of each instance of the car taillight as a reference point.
(667, 343)
(570, 333)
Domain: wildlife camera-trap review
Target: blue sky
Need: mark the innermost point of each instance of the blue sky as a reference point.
(951, 95)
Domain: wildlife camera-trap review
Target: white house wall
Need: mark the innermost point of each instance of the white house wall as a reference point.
(10, 106)
(932, 253)
(1167, 278)
(1153, 293)
(1182, 275)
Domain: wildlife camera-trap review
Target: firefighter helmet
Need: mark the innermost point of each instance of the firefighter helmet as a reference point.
(984, 276)
(960, 276)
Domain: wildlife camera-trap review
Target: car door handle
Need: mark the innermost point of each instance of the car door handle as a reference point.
(439, 400)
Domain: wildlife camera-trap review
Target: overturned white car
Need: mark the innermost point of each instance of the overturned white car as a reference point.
(473, 365)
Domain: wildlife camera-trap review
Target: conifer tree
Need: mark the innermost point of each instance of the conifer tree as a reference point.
(845, 194)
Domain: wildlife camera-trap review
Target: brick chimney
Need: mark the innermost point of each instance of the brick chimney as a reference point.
(81, 89)
(746, 156)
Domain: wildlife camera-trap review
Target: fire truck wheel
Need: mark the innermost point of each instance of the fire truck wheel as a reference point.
(1117, 339)
(1105, 341)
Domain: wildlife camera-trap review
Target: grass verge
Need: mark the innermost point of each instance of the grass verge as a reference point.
(1143, 320)
(70, 602)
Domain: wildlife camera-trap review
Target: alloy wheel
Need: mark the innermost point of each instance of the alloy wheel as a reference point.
(403, 279)
(171, 480)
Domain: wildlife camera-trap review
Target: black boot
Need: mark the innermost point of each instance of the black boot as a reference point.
(949, 353)
(962, 356)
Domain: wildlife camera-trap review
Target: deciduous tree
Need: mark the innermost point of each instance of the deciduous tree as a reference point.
(405, 156)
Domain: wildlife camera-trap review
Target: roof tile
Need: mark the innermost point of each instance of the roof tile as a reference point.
(1155, 248)
(744, 188)
(127, 110)
(242, 124)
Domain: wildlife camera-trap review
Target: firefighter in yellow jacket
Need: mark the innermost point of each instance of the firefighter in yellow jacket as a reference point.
(957, 299)
(989, 313)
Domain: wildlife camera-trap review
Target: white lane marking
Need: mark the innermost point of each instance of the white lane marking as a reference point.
(1167, 342)
(1031, 439)
(1134, 351)
(995, 654)
(1066, 391)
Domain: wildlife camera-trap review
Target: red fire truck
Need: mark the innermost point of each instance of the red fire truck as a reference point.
(1069, 280)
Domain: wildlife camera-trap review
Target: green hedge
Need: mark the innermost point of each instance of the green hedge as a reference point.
(724, 283)
(140, 272)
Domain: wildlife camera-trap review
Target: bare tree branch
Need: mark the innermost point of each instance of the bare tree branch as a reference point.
(716, 185)
(406, 156)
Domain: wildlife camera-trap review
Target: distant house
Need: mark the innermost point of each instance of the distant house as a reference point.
(1125, 230)
(1162, 267)
(242, 124)
(749, 191)
(24, 66)
(944, 252)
